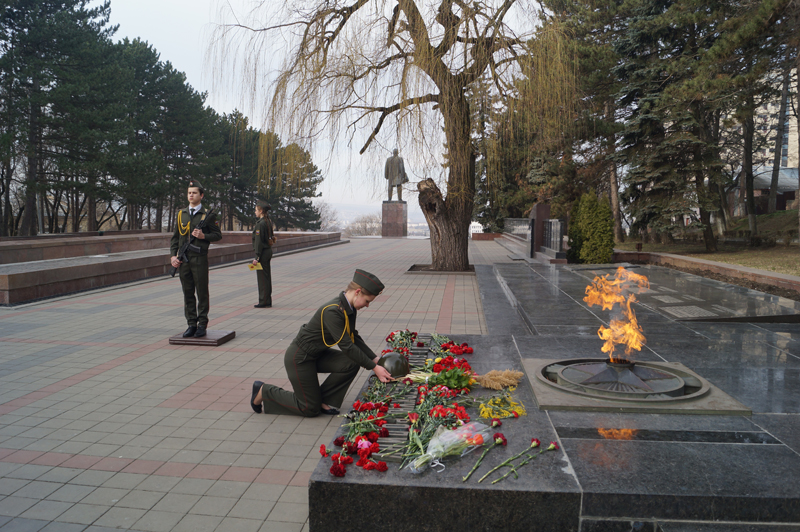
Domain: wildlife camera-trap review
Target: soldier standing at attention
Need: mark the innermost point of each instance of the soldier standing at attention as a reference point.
(194, 273)
(310, 353)
(263, 239)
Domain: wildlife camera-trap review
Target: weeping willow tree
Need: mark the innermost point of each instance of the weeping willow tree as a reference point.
(387, 73)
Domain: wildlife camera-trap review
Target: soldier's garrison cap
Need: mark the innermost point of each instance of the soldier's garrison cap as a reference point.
(196, 183)
(368, 282)
(263, 205)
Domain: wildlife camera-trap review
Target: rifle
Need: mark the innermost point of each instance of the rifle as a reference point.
(189, 244)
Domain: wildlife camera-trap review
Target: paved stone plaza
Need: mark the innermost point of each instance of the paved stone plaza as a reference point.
(104, 425)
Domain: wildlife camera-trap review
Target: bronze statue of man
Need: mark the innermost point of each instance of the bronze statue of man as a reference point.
(395, 174)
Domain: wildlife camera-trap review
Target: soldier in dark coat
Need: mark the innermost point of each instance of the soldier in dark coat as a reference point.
(395, 174)
(194, 273)
(310, 353)
(263, 239)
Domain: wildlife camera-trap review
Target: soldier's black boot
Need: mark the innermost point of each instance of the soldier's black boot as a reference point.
(190, 331)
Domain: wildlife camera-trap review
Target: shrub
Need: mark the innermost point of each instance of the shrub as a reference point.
(597, 229)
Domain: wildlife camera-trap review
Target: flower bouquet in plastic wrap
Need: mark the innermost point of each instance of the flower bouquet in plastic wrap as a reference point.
(445, 442)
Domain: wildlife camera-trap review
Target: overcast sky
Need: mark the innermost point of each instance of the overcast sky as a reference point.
(179, 30)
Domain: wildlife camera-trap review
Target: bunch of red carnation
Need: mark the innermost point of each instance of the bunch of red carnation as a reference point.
(382, 408)
(456, 411)
(450, 362)
(455, 349)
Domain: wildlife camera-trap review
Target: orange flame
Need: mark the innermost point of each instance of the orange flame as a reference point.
(607, 293)
(617, 434)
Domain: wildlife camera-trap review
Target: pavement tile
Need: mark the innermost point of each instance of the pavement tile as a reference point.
(66, 527)
(289, 512)
(138, 420)
(83, 513)
(14, 506)
(158, 521)
(71, 493)
(198, 523)
(46, 510)
(21, 524)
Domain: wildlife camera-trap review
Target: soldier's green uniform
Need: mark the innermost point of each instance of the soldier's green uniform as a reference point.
(310, 353)
(262, 236)
(194, 274)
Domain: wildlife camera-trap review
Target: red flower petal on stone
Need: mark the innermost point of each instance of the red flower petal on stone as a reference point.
(382, 467)
(338, 470)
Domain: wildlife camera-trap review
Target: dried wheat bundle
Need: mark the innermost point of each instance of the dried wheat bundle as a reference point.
(497, 380)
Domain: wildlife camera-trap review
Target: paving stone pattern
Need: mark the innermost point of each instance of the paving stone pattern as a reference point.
(104, 425)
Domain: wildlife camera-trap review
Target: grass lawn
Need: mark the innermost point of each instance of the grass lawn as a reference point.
(779, 258)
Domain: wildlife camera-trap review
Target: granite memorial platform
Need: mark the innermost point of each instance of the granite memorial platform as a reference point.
(55, 266)
(616, 471)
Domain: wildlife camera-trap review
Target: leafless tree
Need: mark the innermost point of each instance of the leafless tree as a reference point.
(390, 73)
(364, 225)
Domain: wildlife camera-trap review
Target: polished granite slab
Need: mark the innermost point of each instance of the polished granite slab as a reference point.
(627, 471)
(545, 497)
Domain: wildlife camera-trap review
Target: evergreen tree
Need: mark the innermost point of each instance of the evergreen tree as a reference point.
(597, 230)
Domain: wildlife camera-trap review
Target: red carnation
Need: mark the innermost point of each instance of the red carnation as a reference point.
(350, 447)
(346, 460)
(420, 344)
(496, 422)
(384, 432)
(381, 466)
(370, 465)
(468, 350)
(396, 405)
(338, 470)
(338, 442)
(372, 437)
(499, 439)
(324, 450)
(362, 462)
(516, 414)
(535, 442)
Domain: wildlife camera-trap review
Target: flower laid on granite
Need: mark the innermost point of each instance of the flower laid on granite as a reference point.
(445, 443)
(324, 450)
(496, 423)
(443, 344)
(338, 442)
(338, 470)
(401, 339)
(501, 406)
(497, 439)
(339, 461)
(526, 459)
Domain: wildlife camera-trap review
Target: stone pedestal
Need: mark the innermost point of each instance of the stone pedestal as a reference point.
(394, 219)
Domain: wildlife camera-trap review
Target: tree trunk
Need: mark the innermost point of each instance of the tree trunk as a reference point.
(448, 219)
(29, 225)
(749, 131)
(449, 234)
(619, 234)
(776, 161)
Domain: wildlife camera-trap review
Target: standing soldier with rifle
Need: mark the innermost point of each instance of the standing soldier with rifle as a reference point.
(195, 229)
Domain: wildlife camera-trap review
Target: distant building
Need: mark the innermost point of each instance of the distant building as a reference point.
(475, 227)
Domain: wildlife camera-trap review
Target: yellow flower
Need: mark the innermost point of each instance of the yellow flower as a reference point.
(438, 359)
